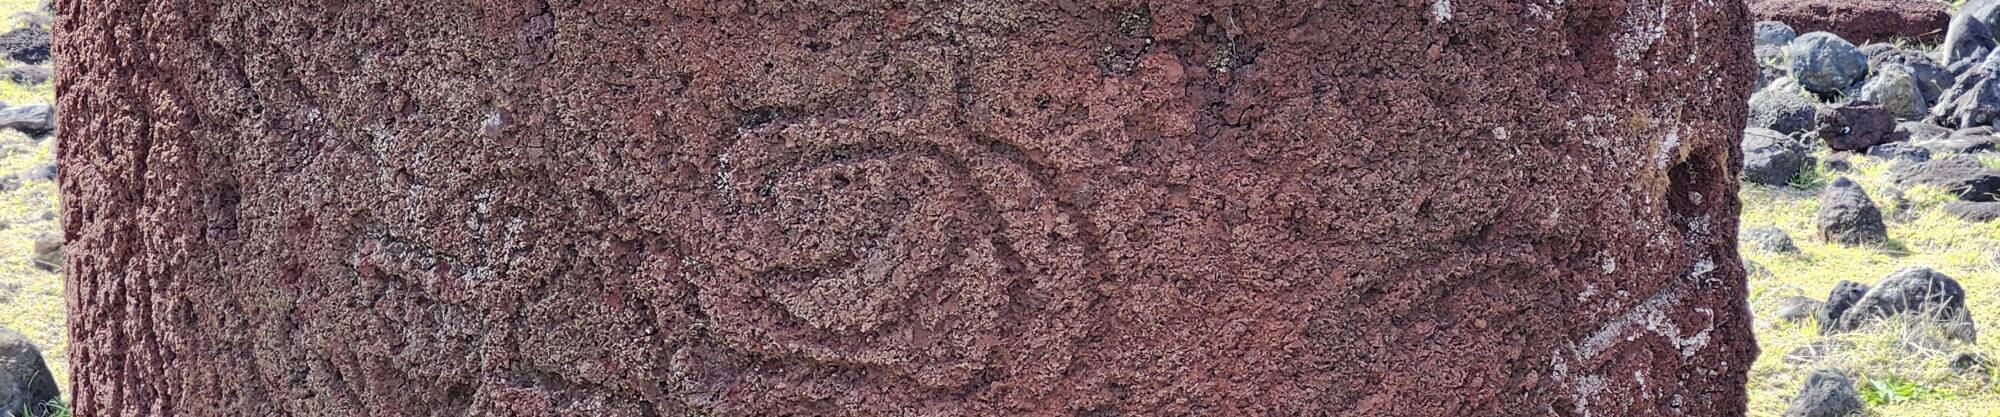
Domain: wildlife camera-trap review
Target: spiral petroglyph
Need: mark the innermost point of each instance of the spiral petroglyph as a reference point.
(888, 246)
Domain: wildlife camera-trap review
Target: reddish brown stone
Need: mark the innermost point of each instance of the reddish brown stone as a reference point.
(428, 208)
(1860, 21)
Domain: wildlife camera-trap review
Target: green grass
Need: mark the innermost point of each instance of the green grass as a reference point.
(35, 306)
(1902, 372)
(60, 410)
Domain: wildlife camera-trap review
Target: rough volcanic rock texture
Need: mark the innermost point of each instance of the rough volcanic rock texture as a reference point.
(1861, 21)
(430, 208)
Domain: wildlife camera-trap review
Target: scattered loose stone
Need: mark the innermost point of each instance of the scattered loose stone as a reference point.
(1899, 151)
(48, 253)
(1769, 239)
(1774, 33)
(1815, 351)
(1825, 64)
(1920, 131)
(1931, 78)
(1853, 126)
(1838, 161)
(1974, 100)
(1973, 211)
(1797, 308)
(1752, 269)
(1844, 295)
(43, 172)
(1771, 158)
(27, 74)
(1847, 216)
(1961, 175)
(33, 119)
(1922, 292)
(1894, 87)
(28, 45)
(1782, 107)
(1970, 363)
(26, 386)
(1967, 40)
(1826, 393)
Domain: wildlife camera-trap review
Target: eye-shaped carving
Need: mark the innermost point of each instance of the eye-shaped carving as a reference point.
(885, 246)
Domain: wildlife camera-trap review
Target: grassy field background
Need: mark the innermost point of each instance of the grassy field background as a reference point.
(31, 300)
(1900, 373)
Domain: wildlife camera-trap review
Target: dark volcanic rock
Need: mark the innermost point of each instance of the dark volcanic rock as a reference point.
(1899, 151)
(1826, 393)
(1846, 215)
(31, 119)
(1969, 362)
(1769, 238)
(1973, 211)
(1825, 64)
(1974, 101)
(1930, 77)
(26, 386)
(1861, 20)
(49, 253)
(1774, 33)
(1960, 144)
(1921, 131)
(1854, 126)
(1966, 42)
(1920, 292)
(27, 74)
(1797, 308)
(1842, 298)
(1771, 158)
(1894, 87)
(836, 208)
(28, 45)
(1782, 107)
(1961, 175)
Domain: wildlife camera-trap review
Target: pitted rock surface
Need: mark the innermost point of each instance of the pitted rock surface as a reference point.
(1861, 20)
(933, 208)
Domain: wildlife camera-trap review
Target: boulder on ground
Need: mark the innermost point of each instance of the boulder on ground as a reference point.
(1919, 292)
(1921, 131)
(1969, 363)
(1826, 393)
(1966, 42)
(1797, 308)
(26, 386)
(1783, 107)
(1973, 211)
(27, 74)
(1974, 100)
(1894, 87)
(1853, 126)
(1769, 239)
(1843, 297)
(1899, 151)
(1774, 33)
(1861, 20)
(48, 252)
(28, 45)
(1960, 144)
(33, 119)
(1825, 64)
(1847, 216)
(1930, 77)
(1962, 175)
(1771, 158)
